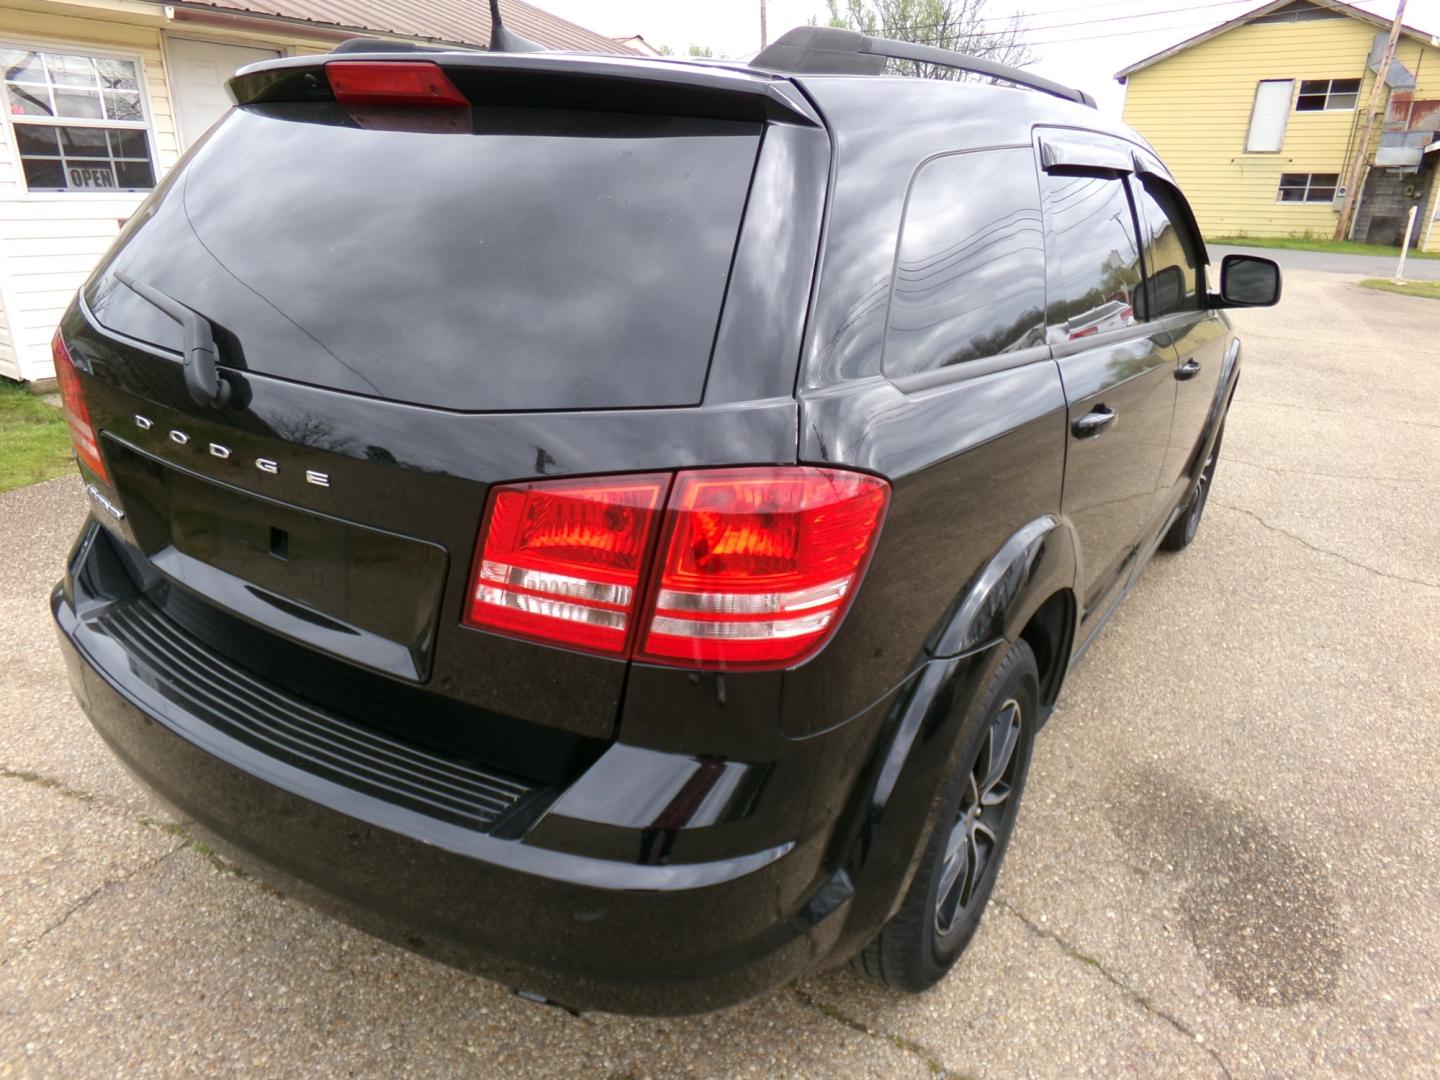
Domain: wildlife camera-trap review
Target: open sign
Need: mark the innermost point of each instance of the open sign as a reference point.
(91, 178)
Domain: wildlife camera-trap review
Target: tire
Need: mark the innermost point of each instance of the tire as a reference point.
(921, 943)
(1188, 524)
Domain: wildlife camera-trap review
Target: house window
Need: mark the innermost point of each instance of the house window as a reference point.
(1268, 116)
(79, 121)
(1297, 12)
(1308, 187)
(1325, 95)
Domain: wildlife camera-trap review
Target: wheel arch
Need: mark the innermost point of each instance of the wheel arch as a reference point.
(1039, 561)
(1023, 592)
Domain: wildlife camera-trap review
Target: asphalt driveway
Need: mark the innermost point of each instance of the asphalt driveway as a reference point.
(1227, 863)
(1331, 262)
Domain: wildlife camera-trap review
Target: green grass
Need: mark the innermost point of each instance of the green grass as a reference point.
(34, 438)
(1315, 243)
(1404, 288)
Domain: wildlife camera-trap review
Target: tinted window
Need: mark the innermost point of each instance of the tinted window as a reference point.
(536, 259)
(970, 273)
(1095, 258)
(1171, 257)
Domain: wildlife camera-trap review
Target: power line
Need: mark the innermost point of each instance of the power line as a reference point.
(1074, 8)
(1117, 33)
(1016, 34)
(1019, 29)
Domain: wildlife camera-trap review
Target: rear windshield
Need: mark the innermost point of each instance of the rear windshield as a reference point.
(543, 259)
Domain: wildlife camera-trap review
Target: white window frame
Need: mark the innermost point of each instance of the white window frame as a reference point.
(146, 124)
(1309, 183)
(1330, 92)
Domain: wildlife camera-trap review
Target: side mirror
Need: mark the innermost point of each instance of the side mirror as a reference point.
(1248, 281)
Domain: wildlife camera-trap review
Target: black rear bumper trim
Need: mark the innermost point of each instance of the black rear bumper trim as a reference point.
(234, 702)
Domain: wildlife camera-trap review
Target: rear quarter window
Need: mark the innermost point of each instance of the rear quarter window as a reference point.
(970, 267)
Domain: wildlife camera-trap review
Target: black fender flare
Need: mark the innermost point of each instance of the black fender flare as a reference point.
(1224, 394)
(1039, 559)
(894, 806)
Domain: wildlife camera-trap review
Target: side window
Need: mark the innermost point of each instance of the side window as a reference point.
(970, 273)
(1172, 259)
(1094, 254)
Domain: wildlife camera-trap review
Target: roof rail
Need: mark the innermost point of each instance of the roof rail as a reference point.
(829, 50)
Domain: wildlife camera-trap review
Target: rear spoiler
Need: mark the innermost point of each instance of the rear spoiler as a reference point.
(554, 80)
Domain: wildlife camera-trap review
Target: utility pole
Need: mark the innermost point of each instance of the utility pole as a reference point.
(1355, 169)
(764, 40)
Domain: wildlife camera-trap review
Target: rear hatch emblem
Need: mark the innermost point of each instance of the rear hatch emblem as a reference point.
(269, 466)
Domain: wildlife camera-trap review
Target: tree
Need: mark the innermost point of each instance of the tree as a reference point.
(702, 51)
(960, 25)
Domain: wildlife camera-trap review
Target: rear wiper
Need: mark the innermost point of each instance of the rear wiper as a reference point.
(201, 378)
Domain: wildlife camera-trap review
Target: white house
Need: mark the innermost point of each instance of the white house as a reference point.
(101, 97)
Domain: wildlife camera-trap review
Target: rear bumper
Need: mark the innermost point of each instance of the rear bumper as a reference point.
(614, 934)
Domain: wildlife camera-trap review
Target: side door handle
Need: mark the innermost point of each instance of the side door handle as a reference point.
(1093, 422)
(1188, 370)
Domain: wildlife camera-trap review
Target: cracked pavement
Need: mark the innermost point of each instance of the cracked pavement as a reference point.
(1226, 861)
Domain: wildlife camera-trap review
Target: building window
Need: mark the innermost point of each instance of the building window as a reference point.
(1297, 12)
(1268, 116)
(79, 121)
(1308, 187)
(1326, 95)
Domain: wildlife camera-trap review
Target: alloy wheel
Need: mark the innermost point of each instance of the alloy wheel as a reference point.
(986, 803)
(1202, 492)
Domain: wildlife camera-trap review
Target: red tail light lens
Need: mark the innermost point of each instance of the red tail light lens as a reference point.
(755, 569)
(561, 561)
(392, 82)
(759, 564)
(72, 399)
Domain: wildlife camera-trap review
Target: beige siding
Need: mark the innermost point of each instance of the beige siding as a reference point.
(50, 242)
(1195, 108)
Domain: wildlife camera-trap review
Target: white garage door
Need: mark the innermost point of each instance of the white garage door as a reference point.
(198, 70)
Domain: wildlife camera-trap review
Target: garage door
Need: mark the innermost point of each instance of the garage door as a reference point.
(198, 70)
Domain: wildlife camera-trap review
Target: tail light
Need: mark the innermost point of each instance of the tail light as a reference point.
(393, 82)
(72, 399)
(754, 567)
(562, 561)
(759, 563)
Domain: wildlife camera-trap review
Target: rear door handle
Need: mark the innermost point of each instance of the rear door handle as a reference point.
(1188, 370)
(1094, 422)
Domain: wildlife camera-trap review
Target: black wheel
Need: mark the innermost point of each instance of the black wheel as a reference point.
(942, 910)
(1188, 523)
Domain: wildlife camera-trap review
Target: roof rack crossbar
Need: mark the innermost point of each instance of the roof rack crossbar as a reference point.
(828, 50)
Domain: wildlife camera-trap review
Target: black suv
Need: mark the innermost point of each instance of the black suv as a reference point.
(617, 525)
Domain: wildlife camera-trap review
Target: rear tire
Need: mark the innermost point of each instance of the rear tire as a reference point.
(1188, 524)
(942, 909)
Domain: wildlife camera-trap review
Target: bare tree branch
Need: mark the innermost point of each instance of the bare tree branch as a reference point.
(959, 25)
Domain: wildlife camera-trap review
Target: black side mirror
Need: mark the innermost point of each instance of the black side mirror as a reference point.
(1248, 281)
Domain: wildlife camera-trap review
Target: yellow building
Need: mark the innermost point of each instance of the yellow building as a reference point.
(100, 97)
(1259, 116)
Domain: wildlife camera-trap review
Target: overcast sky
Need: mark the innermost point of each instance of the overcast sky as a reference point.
(1079, 43)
